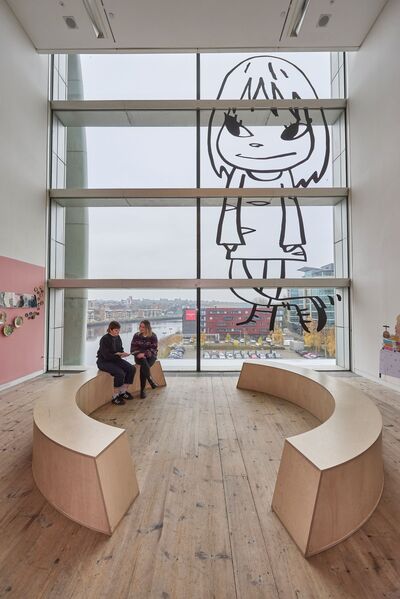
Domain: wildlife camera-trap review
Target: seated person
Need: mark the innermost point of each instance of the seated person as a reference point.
(110, 359)
(144, 347)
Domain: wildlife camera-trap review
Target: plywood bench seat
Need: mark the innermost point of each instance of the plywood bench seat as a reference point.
(330, 478)
(157, 375)
(83, 467)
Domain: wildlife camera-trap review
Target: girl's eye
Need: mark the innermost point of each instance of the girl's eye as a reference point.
(235, 126)
(294, 131)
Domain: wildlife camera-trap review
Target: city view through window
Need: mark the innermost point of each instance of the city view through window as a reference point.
(264, 234)
(224, 343)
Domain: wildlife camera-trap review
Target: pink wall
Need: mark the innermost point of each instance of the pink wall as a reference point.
(22, 353)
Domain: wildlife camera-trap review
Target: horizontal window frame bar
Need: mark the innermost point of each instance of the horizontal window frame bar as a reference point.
(184, 202)
(303, 283)
(198, 192)
(206, 104)
(185, 113)
(281, 47)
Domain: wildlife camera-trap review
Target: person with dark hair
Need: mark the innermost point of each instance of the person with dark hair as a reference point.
(110, 359)
(144, 347)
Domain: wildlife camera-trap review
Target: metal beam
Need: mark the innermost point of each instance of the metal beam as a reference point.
(303, 283)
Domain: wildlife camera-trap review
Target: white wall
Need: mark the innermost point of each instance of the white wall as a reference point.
(23, 143)
(374, 139)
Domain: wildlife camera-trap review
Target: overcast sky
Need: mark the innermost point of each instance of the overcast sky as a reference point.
(160, 242)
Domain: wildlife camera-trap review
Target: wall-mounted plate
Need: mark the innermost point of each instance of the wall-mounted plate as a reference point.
(18, 321)
(8, 329)
(3, 317)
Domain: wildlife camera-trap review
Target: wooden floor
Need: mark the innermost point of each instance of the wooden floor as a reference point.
(206, 457)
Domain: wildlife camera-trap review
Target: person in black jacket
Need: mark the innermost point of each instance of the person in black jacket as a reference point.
(110, 359)
(144, 347)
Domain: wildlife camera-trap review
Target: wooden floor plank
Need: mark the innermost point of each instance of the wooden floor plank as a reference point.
(253, 572)
(262, 475)
(206, 456)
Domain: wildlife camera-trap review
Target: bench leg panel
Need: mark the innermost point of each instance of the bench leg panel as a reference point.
(117, 479)
(348, 495)
(95, 492)
(295, 495)
(69, 481)
(321, 509)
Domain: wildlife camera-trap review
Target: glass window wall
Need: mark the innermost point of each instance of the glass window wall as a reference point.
(138, 76)
(232, 331)
(142, 156)
(228, 75)
(268, 238)
(168, 311)
(161, 236)
(151, 243)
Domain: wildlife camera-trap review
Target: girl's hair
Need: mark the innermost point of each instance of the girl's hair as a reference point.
(113, 325)
(147, 326)
(271, 78)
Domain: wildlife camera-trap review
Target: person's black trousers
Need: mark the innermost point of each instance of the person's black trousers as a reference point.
(145, 365)
(122, 371)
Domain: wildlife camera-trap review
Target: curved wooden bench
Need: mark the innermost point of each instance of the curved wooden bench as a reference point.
(83, 467)
(330, 479)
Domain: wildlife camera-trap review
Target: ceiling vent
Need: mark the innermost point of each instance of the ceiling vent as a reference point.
(70, 22)
(323, 20)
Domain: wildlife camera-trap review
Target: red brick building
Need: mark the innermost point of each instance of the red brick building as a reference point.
(224, 320)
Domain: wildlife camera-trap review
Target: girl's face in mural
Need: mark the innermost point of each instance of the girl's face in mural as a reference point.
(271, 148)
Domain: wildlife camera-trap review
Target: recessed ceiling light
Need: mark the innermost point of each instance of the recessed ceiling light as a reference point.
(300, 16)
(92, 11)
(70, 22)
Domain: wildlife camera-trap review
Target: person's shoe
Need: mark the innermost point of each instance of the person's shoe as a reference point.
(118, 401)
(152, 383)
(126, 395)
(142, 394)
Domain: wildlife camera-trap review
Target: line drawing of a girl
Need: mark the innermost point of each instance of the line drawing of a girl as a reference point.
(285, 151)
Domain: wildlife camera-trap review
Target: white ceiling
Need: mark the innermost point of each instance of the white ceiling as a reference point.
(190, 25)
